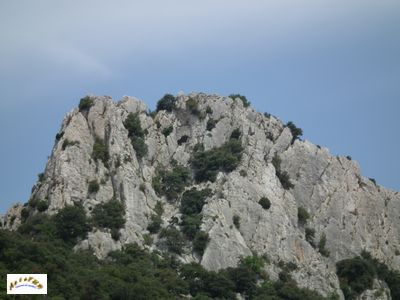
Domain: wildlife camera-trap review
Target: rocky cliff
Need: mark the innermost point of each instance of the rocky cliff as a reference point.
(319, 209)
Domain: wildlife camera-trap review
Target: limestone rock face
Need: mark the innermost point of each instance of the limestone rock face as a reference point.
(353, 213)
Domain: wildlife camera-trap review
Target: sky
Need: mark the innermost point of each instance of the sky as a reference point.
(332, 67)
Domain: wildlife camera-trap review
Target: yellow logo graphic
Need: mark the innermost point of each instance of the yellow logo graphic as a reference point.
(26, 281)
(23, 284)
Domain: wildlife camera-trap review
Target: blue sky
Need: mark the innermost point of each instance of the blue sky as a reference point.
(332, 67)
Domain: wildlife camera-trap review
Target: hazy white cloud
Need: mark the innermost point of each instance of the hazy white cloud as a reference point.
(100, 37)
(73, 59)
(102, 28)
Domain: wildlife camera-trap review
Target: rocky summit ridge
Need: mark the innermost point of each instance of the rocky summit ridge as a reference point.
(271, 194)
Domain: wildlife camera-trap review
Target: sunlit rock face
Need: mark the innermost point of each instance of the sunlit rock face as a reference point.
(351, 211)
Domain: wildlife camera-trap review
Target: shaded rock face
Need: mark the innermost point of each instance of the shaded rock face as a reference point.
(352, 212)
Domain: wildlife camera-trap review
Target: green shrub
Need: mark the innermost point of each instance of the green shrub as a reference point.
(168, 103)
(296, 132)
(236, 134)
(193, 106)
(246, 102)
(59, 135)
(171, 183)
(115, 234)
(71, 223)
(167, 130)
(283, 176)
(68, 143)
(255, 263)
(147, 239)
(218, 285)
(33, 202)
(155, 220)
(276, 162)
(211, 124)
(85, 103)
(200, 242)
(243, 173)
(159, 208)
(302, 215)
(245, 280)
(109, 215)
(100, 151)
(183, 139)
(322, 245)
(136, 134)
(190, 225)
(172, 239)
(155, 224)
(310, 236)
(140, 146)
(355, 276)
(25, 212)
(207, 164)
(193, 201)
(133, 125)
(209, 110)
(265, 203)
(40, 176)
(42, 205)
(372, 180)
(93, 186)
(236, 221)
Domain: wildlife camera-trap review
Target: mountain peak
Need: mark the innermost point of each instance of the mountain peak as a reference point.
(226, 179)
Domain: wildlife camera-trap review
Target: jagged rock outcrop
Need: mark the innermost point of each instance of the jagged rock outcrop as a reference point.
(352, 212)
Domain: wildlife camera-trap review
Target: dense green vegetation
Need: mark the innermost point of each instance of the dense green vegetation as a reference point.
(282, 175)
(136, 134)
(40, 246)
(207, 164)
(100, 151)
(85, 103)
(357, 274)
(168, 103)
(171, 183)
(246, 103)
